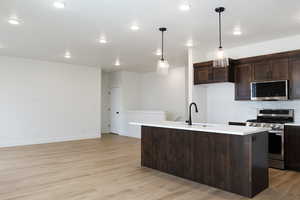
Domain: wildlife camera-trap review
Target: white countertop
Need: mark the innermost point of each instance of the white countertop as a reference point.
(204, 127)
(293, 124)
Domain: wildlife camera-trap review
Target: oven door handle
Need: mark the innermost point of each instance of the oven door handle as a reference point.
(279, 133)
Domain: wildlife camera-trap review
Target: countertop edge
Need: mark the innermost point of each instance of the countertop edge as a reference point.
(197, 129)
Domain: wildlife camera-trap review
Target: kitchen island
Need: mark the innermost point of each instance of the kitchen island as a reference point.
(230, 158)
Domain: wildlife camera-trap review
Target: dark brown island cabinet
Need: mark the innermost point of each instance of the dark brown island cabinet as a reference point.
(271, 67)
(292, 147)
(234, 163)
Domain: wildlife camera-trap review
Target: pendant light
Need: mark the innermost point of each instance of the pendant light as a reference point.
(221, 60)
(162, 65)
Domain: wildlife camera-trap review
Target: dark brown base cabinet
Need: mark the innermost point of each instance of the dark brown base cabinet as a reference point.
(238, 164)
(292, 147)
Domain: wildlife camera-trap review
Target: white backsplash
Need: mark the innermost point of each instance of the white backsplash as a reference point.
(217, 105)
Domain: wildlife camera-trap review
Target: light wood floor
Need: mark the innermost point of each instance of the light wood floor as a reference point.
(109, 169)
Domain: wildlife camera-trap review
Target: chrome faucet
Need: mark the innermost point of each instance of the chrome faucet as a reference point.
(190, 113)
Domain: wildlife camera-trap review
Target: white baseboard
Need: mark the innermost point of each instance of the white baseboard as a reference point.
(47, 140)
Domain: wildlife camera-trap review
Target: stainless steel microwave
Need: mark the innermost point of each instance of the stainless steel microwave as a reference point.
(270, 91)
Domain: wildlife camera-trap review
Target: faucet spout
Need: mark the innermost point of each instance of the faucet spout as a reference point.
(190, 112)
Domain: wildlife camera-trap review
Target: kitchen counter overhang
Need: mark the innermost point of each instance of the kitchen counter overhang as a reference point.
(231, 160)
(204, 127)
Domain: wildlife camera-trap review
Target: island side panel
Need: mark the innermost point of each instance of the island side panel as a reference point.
(147, 154)
(160, 146)
(168, 150)
(180, 153)
(260, 164)
(223, 161)
(219, 160)
(240, 165)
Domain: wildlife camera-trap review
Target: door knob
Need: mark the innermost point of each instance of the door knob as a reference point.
(117, 113)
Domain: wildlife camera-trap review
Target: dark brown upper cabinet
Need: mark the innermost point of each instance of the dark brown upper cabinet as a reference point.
(242, 81)
(280, 69)
(272, 67)
(262, 71)
(205, 73)
(271, 70)
(295, 77)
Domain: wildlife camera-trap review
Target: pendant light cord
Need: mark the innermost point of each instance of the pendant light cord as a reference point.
(220, 31)
(162, 45)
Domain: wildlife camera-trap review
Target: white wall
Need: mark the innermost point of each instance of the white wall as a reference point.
(131, 88)
(43, 102)
(217, 100)
(165, 93)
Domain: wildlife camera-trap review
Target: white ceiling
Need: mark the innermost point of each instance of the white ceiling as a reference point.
(47, 32)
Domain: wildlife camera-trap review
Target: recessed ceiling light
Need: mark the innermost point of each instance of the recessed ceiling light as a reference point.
(117, 63)
(68, 55)
(14, 21)
(237, 31)
(134, 27)
(59, 4)
(158, 52)
(189, 43)
(185, 6)
(102, 40)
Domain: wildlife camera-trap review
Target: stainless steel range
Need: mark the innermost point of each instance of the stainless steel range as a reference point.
(274, 120)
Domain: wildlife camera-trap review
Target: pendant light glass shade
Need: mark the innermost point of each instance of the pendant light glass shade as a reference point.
(221, 59)
(162, 64)
(163, 67)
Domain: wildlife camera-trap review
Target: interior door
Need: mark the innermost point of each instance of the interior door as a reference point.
(115, 115)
